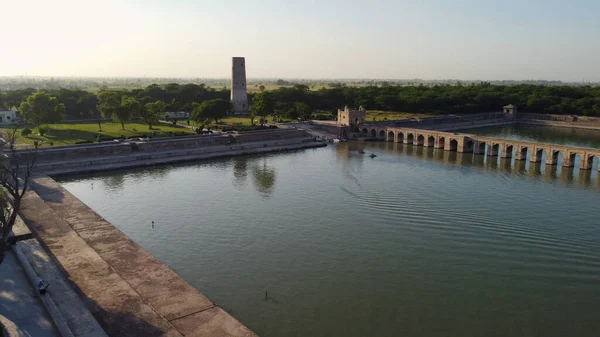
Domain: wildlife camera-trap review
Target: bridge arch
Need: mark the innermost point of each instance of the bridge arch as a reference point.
(453, 144)
(469, 146)
(382, 134)
(493, 151)
(390, 136)
(523, 153)
(537, 155)
(410, 138)
(481, 148)
(509, 151)
(420, 140)
(365, 132)
(589, 163)
(441, 142)
(373, 133)
(430, 141)
(572, 159)
(555, 155)
(400, 137)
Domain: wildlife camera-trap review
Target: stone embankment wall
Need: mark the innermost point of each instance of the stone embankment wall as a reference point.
(106, 156)
(572, 121)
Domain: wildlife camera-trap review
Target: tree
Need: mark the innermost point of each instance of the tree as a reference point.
(40, 108)
(14, 97)
(112, 104)
(15, 173)
(152, 112)
(129, 107)
(87, 105)
(263, 104)
(261, 87)
(109, 102)
(302, 109)
(213, 109)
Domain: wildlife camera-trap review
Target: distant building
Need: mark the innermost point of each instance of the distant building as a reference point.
(9, 117)
(239, 95)
(351, 118)
(510, 109)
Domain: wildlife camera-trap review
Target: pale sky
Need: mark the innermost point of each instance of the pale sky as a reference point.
(393, 39)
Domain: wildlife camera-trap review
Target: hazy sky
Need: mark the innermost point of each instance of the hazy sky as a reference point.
(394, 39)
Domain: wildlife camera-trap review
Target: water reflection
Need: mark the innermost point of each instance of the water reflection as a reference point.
(156, 173)
(264, 178)
(351, 152)
(113, 183)
(240, 171)
(553, 173)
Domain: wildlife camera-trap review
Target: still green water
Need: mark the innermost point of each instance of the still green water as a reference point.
(415, 242)
(546, 134)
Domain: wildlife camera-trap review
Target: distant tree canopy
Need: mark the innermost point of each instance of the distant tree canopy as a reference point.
(297, 100)
(40, 108)
(213, 109)
(263, 104)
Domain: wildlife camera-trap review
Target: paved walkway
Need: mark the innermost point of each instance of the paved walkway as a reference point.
(21, 310)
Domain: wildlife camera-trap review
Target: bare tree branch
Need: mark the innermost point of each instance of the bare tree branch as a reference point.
(16, 169)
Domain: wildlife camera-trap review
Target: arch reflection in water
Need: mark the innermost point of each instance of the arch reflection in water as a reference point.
(504, 161)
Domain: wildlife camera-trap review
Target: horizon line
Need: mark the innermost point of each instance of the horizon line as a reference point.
(291, 78)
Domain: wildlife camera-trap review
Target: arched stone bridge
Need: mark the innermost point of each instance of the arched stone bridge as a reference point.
(469, 143)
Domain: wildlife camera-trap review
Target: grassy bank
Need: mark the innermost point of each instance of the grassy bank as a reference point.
(66, 134)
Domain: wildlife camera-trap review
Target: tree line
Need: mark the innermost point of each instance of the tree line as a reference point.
(205, 103)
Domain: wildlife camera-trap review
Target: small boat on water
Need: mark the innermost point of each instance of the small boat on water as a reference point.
(361, 151)
(372, 155)
(339, 139)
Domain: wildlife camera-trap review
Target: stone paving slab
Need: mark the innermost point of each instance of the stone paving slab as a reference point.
(127, 289)
(213, 322)
(116, 306)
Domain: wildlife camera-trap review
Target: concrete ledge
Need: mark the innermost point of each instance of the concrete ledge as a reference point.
(57, 318)
(73, 311)
(129, 292)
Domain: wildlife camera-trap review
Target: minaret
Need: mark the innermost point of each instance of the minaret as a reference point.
(239, 97)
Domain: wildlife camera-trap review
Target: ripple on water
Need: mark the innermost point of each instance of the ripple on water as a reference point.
(402, 244)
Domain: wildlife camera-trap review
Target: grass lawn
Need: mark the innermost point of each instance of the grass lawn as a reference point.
(244, 120)
(66, 134)
(229, 120)
(391, 115)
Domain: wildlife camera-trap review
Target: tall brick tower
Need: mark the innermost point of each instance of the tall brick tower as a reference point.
(239, 97)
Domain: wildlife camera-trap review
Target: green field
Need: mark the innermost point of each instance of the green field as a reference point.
(391, 116)
(233, 121)
(66, 134)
